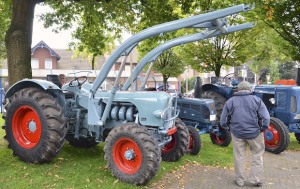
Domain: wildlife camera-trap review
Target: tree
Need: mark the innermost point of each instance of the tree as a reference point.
(169, 63)
(19, 34)
(258, 47)
(210, 55)
(96, 31)
(284, 17)
(18, 40)
(92, 39)
(100, 19)
(265, 48)
(287, 70)
(191, 84)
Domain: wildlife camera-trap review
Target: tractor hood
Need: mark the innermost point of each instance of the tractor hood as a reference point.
(200, 110)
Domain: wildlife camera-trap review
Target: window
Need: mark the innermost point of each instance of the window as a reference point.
(127, 68)
(281, 100)
(293, 104)
(48, 64)
(34, 63)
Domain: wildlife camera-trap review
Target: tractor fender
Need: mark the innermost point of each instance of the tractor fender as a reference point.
(25, 83)
(48, 86)
(209, 87)
(214, 88)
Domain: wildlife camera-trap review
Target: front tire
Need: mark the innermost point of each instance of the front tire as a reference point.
(221, 138)
(34, 125)
(219, 101)
(277, 136)
(132, 154)
(176, 148)
(194, 141)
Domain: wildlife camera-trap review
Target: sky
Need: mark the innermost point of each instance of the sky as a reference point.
(54, 40)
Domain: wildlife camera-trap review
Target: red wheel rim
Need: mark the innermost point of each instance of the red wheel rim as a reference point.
(191, 143)
(26, 127)
(217, 138)
(274, 140)
(127, 156)
(168, 147)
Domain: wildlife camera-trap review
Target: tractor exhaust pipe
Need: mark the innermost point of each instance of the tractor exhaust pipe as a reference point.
(198, 88)
(298, 77)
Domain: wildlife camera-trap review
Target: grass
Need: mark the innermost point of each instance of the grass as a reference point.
(86, 168)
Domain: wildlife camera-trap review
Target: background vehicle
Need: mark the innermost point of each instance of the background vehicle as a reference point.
(139, 128)
(282, 102)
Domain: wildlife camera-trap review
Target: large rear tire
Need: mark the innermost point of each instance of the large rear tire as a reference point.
(221, 138)
(194, 142)
(177, 147)
(277, 136)
(297, 135)
(34, 125)
(219, 102)
(132, 154)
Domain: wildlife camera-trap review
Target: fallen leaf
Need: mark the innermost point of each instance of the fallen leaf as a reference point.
(116, 181)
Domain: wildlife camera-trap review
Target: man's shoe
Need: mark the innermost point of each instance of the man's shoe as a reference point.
(239, 184)
(258, 184)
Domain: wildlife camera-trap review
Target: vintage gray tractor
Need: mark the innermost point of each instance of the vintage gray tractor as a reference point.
(137, 127)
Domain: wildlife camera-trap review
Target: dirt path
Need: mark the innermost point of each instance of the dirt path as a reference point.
(280, 171)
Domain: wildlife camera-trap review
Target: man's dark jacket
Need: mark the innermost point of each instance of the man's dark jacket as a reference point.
(246, 115)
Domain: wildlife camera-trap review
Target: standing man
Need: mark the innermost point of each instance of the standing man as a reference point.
(247, 117)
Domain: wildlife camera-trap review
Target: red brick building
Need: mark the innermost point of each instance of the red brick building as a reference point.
(43, 57)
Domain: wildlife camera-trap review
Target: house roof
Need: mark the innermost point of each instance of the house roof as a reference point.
(69, 61)
(42, 44)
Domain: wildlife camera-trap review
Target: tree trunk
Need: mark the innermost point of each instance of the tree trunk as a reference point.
(93, 63)
(218, 70)
(18, 40)
(165, 80)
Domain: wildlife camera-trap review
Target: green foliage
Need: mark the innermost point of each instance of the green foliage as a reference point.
(287, 70)
(264, 48)
(191, 84)
(96, 27)
(5, 16)
(259, 47)
(227, 50)
(169, 63)
(274, 71)
(284, 17)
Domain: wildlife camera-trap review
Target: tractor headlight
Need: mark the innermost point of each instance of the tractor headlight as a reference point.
(157, 113)
(160, 114)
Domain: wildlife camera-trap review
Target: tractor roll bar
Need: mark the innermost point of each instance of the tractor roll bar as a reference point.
(152, 55)
(162, 28)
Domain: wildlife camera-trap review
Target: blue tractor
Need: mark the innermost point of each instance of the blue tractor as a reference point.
(282, 102)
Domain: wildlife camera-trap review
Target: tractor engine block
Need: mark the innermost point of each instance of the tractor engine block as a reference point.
(123, 112)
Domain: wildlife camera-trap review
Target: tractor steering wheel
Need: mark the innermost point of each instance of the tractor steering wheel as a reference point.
(78, 81)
